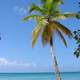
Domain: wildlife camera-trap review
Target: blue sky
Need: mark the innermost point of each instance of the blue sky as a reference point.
(16, 52)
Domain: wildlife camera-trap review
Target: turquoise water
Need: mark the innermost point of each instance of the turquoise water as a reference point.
(39, 76)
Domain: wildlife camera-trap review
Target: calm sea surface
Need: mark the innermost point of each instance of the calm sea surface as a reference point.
(39, 76)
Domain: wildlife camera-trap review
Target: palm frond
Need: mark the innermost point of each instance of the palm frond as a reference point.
(61, 36)
(62, 28)
(78, 15)
(34, 7)
(66, 16)
(35, 34)
(70, 15)
(31, 17)
(37, 31)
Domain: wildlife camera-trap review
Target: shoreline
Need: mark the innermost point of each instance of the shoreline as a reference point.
(36, 72)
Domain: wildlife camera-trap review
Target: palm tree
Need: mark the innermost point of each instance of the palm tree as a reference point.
(47, 15)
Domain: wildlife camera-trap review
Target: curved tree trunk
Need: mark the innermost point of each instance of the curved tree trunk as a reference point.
(57, 73)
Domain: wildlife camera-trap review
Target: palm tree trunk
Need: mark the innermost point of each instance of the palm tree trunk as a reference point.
(57, 73)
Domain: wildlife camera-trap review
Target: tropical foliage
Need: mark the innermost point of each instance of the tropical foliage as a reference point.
(77, 38)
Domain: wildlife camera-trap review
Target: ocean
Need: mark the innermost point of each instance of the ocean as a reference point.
(39, 76)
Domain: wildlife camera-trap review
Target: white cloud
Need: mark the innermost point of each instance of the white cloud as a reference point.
(3, 61)
(20, 10)
(6, 62)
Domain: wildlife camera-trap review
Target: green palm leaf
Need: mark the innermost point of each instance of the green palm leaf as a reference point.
(70, 15)
(37, 31)
(62, 28)
(65, 15)
(61, 36)
(35, 34)
(31, 17)
(39, 9)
